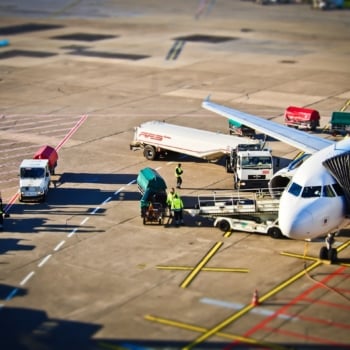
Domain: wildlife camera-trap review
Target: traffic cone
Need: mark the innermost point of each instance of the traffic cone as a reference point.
(255, 300)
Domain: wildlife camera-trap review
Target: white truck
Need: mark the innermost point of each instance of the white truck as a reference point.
(249, 163)
(34, 179)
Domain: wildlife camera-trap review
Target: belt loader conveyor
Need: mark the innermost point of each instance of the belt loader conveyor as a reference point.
(247, 211)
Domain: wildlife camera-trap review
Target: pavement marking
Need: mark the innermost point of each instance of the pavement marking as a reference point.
(27, 278)
(201, 264)
(73, 232)
(84, 221)
(106, 200)
(43, 262)
(214, 331)
(301, 297)
(95, 210)
(71, 132)
(12, 294)
(210, 269)
(199, 329)
(238, 306)
(59, 245)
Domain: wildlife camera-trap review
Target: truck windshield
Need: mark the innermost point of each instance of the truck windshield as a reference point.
(32, 173)
(262, 162)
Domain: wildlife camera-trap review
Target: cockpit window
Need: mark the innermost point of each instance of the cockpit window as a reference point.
(295, 189)
(311, 191)
(338, 190)
(328, 191)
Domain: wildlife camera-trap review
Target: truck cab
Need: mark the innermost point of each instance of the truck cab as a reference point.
(251, 165)
(34, 180)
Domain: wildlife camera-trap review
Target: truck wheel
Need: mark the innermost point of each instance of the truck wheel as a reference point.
(149, 152)
(323, 253)
(275, 232)
(224, 226)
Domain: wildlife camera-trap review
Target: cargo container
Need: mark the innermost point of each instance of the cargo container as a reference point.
(340, 123)
(302, 118)
(49, 153)
(153, 190)
(239, 129)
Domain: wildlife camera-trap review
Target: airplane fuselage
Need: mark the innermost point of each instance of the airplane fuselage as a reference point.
(313, 203)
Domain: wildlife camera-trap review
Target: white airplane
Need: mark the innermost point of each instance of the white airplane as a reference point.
(316, 198)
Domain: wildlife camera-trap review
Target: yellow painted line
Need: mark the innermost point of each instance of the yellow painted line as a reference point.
(227, 234)
(246, 309)
(299, 256)
(343, 246)
(210, 269)
(347, 103)
(201, 264)
(198, 329)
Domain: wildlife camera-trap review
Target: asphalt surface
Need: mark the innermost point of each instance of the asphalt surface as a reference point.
(81, 270)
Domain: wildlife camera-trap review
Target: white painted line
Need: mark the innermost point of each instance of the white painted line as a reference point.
(27, 278)
(117, 192)
(95, 210)
(237, 306)
(106, 200)
(42, 262)
(84, 221)
(59, 245)
(131, 182)
(12, 294)
(73, 232)
(159, 168)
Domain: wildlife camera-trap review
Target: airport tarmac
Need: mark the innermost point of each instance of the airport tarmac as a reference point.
(81, 271)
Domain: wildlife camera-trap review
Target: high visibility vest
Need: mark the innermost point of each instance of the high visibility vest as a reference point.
(170, 198)
(178, 172)
(177, 204)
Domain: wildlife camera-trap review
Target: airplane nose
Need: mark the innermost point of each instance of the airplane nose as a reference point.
(297, 226)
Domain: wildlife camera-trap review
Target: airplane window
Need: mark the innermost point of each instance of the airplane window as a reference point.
(311, 191)
(328, 191)
(338, 190)
(295, 189)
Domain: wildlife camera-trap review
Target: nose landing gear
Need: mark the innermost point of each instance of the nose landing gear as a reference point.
(327, 252)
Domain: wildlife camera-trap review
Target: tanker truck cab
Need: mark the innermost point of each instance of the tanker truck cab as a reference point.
(34, 180)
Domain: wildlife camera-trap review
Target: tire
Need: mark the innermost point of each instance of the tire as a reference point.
(275, 232)
(149, 152)
(224, 226)
(332, 255)
(324, 253)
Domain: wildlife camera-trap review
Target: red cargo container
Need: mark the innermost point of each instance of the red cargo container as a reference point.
(303, 118)
(49, 153)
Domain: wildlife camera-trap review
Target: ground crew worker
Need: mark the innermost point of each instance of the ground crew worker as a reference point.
(177, 206)
(178, 173)
(169, 201)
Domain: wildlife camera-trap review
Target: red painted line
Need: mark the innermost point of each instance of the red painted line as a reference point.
(302, 336)
(328, 303)
(71, 132)
(263, 325)
(11, 202)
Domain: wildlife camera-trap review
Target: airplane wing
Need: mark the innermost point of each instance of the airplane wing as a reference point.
(306, 142)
